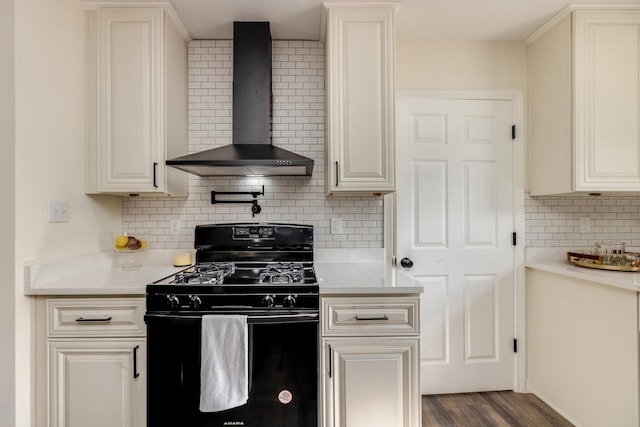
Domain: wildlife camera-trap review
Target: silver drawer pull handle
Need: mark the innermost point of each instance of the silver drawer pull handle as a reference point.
(103, 319)
(385, 317)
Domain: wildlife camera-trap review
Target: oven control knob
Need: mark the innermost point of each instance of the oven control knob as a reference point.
(195, 302)
(290, 300)
(268, 301)
(173, 301)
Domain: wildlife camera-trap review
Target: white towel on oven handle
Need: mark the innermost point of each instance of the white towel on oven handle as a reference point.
(224, 360)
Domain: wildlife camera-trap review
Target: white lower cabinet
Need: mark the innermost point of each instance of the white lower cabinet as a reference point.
(97, 383)
(370, 382)
(91, 362)
(369, 378)
(583, 357)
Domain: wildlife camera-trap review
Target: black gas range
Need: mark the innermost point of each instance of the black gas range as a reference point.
(255, 267)
(262, 272)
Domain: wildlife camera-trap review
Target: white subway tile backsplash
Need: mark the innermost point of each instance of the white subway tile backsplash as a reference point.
(555, 220)
(298, 125)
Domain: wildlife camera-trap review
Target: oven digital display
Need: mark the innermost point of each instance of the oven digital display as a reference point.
(243, 233)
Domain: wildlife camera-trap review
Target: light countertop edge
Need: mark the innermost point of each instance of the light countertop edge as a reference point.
(358, 272)
(363, 278)
(553, 260)
(98, 274)
(106, 281)
(370, 290)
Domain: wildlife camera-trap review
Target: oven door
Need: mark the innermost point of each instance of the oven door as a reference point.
(283, 357)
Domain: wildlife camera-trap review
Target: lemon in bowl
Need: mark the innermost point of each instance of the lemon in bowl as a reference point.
(121, 241)
(125, 242)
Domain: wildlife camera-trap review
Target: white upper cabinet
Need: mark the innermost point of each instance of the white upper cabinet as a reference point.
(136, 101)
(360, 97)
(584, 103)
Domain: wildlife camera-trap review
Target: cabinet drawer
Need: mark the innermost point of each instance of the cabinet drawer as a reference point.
(95, 317)
(370, 316)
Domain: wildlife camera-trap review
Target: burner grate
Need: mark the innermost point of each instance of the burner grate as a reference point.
(206, 274)
(282, 273)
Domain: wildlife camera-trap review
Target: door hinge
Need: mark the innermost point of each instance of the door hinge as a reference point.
(394, 261)
(514, 238)
(515, 345)
(513, 131)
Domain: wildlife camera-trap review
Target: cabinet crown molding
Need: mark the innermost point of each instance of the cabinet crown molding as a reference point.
(326, 6)
(95, 5)
(571, 8)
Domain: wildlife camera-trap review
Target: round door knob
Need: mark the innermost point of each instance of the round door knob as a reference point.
(406, 263)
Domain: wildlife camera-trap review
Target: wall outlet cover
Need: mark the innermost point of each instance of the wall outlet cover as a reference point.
(174, 227)
(336, 225)
(585, 225)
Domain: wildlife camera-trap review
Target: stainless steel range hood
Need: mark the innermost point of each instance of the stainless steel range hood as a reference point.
(251, 153)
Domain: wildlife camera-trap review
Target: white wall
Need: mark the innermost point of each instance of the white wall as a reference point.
(440, 65)
(49, 117)
(49, 131)
(7, 215)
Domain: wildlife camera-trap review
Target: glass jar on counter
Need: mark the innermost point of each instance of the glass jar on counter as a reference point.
(612, 253)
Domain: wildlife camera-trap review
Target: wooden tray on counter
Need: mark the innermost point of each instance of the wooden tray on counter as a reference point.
(595, 261)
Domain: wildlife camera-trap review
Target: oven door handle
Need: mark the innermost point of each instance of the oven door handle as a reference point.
(251, 319)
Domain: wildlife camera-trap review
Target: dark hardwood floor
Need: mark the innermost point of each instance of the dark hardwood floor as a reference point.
(490, 409)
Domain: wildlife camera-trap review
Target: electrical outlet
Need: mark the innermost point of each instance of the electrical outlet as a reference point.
(58, 211)
(336, 225)
(585, 225)
(174, 227)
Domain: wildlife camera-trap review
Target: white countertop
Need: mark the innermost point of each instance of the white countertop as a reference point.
(363, 278)
(99, 274)
(338, 272)
(554, 260)
(359, 271)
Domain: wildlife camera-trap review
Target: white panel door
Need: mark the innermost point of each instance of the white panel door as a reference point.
(455, 222)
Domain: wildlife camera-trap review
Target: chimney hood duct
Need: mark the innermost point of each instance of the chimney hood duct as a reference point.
(251, 153)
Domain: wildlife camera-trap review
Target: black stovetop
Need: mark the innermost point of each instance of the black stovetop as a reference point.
(243, 265)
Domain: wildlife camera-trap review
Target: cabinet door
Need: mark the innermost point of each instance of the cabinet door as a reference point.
(97, 383)
(360, 91)
(371, 382)
(607, 102)
(130, 114)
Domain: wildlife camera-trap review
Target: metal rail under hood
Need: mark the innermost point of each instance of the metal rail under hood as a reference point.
(251, 153)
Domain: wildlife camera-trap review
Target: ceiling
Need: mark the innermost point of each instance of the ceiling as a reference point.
(480, 20)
